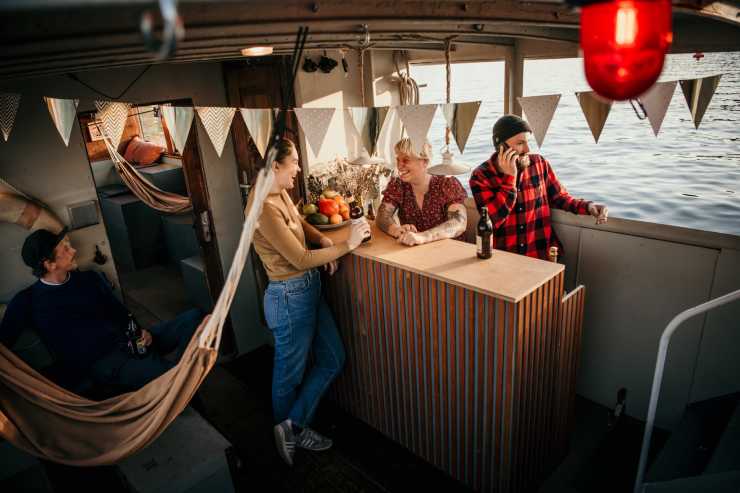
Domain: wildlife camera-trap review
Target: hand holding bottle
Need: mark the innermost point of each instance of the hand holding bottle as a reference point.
(358, 232)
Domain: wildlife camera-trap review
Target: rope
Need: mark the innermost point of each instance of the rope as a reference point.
(448, 70)
(361, 54)
(408, 89)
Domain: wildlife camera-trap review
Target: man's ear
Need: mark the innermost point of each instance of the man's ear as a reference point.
(49, 265)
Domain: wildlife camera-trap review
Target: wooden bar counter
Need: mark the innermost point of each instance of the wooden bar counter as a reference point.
(468, 363)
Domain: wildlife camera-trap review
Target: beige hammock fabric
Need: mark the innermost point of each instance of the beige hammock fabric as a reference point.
(52, 423)
(154, 197)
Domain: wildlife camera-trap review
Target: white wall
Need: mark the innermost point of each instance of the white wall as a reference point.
(36, 161)
(335, 90)
(638, 277)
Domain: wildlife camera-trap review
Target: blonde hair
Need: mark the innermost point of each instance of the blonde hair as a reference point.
(404, 146)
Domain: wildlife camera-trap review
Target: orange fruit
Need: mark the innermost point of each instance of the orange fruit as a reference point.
(339, 199)
(335, 219)
(344, 213)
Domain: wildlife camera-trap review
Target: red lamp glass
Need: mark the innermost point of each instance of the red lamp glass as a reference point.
(624, 43)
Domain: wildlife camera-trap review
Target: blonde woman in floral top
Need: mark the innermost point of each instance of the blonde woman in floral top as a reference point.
(429, 207)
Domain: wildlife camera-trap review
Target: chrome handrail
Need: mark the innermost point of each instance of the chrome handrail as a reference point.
(658, 376)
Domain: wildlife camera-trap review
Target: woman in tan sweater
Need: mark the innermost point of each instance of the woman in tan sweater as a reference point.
(297, 315)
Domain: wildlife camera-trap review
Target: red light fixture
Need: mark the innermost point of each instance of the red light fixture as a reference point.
(624, 43)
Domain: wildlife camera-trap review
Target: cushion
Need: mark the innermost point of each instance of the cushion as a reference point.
(142, 153)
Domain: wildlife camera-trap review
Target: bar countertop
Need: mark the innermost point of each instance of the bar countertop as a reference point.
(505, 275)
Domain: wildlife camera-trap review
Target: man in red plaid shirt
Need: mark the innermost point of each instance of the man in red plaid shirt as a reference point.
(519, 188)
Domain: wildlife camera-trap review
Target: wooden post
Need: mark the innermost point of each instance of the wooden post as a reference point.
(514, 79)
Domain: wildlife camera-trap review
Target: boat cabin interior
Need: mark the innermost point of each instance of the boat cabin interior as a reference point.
(514, 375)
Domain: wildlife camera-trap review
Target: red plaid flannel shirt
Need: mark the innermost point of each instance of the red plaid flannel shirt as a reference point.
(520, 212)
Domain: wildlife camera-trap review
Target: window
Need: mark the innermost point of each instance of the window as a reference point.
(151, 126)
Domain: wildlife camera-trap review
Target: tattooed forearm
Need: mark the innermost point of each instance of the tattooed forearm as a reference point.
(457, 220)
(385, 219)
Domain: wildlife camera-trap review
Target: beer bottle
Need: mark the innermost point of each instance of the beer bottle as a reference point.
(135, 338)
(370, 211)
(484, 235)
(552, 254)
(357, 215)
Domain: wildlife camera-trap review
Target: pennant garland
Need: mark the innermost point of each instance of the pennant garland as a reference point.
(63, 113)
(179, 119)
(698, 94)
(539, 111)
(217, 121)
(315, 123)
(460, 118)
(259, 123)
(9, 103)
(369, 123)
(113, 117)
(596, 110)
(417, 119)
(656, 101)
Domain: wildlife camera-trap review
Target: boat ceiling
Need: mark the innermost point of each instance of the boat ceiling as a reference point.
(48, 37)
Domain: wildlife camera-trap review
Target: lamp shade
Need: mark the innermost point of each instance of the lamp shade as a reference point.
(364, 158)
(447, 167)
(624, 43)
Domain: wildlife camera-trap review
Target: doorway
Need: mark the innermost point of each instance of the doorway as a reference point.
(164, 265)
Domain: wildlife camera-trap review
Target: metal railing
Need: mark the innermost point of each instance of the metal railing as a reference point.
(658, 376)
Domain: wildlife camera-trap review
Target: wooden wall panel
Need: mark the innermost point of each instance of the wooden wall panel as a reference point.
(479, 387)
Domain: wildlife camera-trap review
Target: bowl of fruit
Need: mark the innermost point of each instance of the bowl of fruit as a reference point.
(330, 211)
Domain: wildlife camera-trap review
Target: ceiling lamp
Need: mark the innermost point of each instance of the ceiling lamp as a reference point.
(624, 43)
(448, 167)
(257, 51)
(364, 159)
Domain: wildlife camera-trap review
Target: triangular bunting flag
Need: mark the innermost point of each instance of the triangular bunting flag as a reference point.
(369, 123)
(113, 116)
(460, 118)
(417, 119)
(63, 113)
(539, 111)
(217, 121)
(656, 101)
(596, 110)
(179, 119)
(698, 94)
(315, 123)
(259, 123)
(9, 103)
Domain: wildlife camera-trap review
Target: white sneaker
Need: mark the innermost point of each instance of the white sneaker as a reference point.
(285, 441)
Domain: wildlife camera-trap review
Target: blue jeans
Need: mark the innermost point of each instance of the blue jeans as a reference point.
(300, 322)
(122, 369)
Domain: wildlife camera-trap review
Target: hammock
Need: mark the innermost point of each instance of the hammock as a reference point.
(52, 423)
(154, 197)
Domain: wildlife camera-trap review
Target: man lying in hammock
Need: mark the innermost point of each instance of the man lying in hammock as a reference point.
(84, 325)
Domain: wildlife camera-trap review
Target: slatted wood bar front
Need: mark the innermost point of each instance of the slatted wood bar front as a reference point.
(463, 361)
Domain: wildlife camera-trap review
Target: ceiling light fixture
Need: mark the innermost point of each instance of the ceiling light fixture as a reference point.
(257, 51)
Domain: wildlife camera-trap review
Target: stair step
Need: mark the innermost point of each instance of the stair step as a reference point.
(689, 448)
(726, 456)
(726, 482)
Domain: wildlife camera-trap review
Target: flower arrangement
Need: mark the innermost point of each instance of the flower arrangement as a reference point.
(362, 182)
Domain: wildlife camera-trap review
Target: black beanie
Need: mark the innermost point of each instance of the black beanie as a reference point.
(508, 126)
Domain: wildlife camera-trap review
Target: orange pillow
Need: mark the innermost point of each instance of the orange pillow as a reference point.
(142, 153)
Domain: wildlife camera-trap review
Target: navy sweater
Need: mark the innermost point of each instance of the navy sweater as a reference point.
(79, 321)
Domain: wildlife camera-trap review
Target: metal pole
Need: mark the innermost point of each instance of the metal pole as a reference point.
(658, 376)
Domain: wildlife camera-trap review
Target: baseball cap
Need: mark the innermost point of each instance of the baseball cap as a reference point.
(39, 246)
